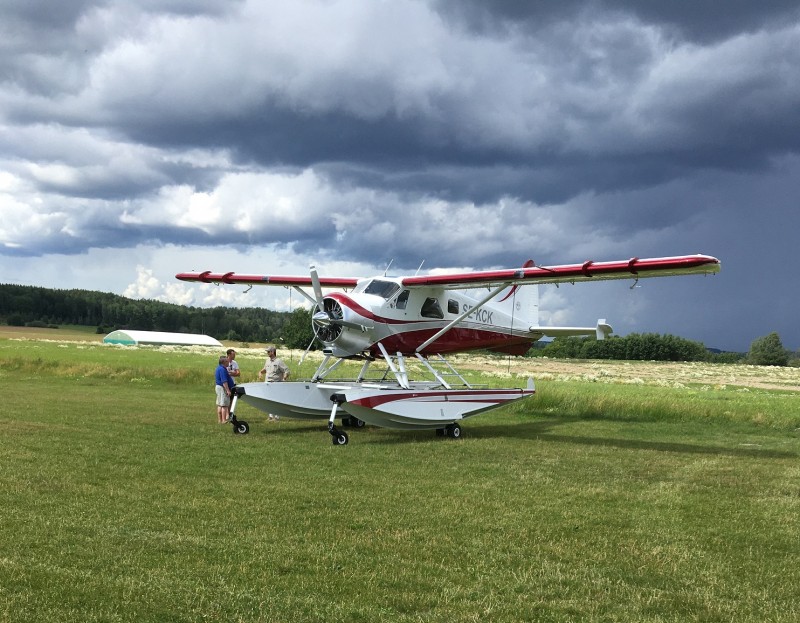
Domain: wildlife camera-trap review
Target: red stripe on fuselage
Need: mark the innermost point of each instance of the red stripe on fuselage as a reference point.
(456, 340)
(495, 397)
(364, 312)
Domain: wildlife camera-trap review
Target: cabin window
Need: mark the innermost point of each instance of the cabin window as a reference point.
(452, 306)
(431, 309)
(402, 299)
(384, 289)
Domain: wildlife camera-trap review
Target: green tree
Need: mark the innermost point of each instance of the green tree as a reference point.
(768, 351)
(297, 332)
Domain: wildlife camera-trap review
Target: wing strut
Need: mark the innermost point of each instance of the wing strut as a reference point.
(305, 294)
(461, 317)
(400, 375)
(439, 375)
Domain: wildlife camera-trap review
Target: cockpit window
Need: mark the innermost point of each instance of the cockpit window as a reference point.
(432, 309)
(402, 299)
(384, 289)
(452, 306)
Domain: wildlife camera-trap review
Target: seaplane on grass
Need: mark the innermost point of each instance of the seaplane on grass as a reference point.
(420, 319)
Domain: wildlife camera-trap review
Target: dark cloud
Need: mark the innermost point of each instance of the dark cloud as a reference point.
(460, 133)
(702, 21)
(41, 17)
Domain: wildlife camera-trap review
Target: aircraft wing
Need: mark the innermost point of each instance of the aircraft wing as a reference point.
(633, 268)
(267, 280)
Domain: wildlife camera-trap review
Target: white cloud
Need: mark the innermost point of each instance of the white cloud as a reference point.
(263, 136)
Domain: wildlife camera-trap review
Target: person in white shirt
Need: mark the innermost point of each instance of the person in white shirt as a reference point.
(233, 367)
(274, 371)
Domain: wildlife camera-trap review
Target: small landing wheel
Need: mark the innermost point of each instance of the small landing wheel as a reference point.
(453, 431)
(340, 438)
(241, 428)
(353, 421)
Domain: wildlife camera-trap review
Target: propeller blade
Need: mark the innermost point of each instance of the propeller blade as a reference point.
(315, 285)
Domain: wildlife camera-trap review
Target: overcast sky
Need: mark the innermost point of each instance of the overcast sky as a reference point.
(142, 138)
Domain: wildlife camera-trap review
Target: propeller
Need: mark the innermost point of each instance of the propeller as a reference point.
(327, 312)
(328, 317)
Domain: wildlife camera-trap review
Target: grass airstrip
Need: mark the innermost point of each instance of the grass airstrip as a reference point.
(620, 492)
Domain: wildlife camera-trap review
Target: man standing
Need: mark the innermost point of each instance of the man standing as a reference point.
(224, 387)
(233, 367)
(275, 371)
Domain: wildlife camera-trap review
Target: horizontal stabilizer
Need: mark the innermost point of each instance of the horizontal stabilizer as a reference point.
(600, 331)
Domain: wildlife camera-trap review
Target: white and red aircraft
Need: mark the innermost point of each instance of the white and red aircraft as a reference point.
(390, 319)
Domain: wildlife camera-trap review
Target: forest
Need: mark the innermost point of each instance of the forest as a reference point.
(35, 306)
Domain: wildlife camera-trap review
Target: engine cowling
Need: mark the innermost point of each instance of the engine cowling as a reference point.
(341, 330)
(324, 321)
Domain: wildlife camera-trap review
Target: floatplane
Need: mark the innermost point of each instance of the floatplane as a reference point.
(423, 318)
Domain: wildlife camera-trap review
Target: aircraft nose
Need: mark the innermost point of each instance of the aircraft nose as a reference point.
(322, 318)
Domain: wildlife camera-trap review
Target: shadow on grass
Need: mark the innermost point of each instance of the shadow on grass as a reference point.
(538, 430)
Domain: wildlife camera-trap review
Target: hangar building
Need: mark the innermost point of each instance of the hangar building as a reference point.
(136, 338)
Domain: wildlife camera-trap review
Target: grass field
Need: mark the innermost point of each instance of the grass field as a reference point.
(599, 499)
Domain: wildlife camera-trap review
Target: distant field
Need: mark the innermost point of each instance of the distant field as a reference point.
(621, 492)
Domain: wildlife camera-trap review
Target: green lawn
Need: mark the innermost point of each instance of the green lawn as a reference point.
(121, 499)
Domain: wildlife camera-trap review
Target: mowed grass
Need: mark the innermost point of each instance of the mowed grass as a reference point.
(121, 499)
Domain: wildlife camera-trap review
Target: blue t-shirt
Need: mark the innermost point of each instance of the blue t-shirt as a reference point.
(221, 375)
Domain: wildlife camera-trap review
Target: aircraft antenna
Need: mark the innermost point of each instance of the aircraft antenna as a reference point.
(387, 267)
(420, 268)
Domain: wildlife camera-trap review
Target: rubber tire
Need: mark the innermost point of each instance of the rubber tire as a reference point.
(454, 431)
(241, 428)
(340, 439)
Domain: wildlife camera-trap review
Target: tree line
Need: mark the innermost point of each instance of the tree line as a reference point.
(764, 351)
(36, 306)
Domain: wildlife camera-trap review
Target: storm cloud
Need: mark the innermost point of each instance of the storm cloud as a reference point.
(149, 136)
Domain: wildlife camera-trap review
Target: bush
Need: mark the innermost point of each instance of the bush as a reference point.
(36, 324)
(727, 357)
(768, 351)
(636, 346)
